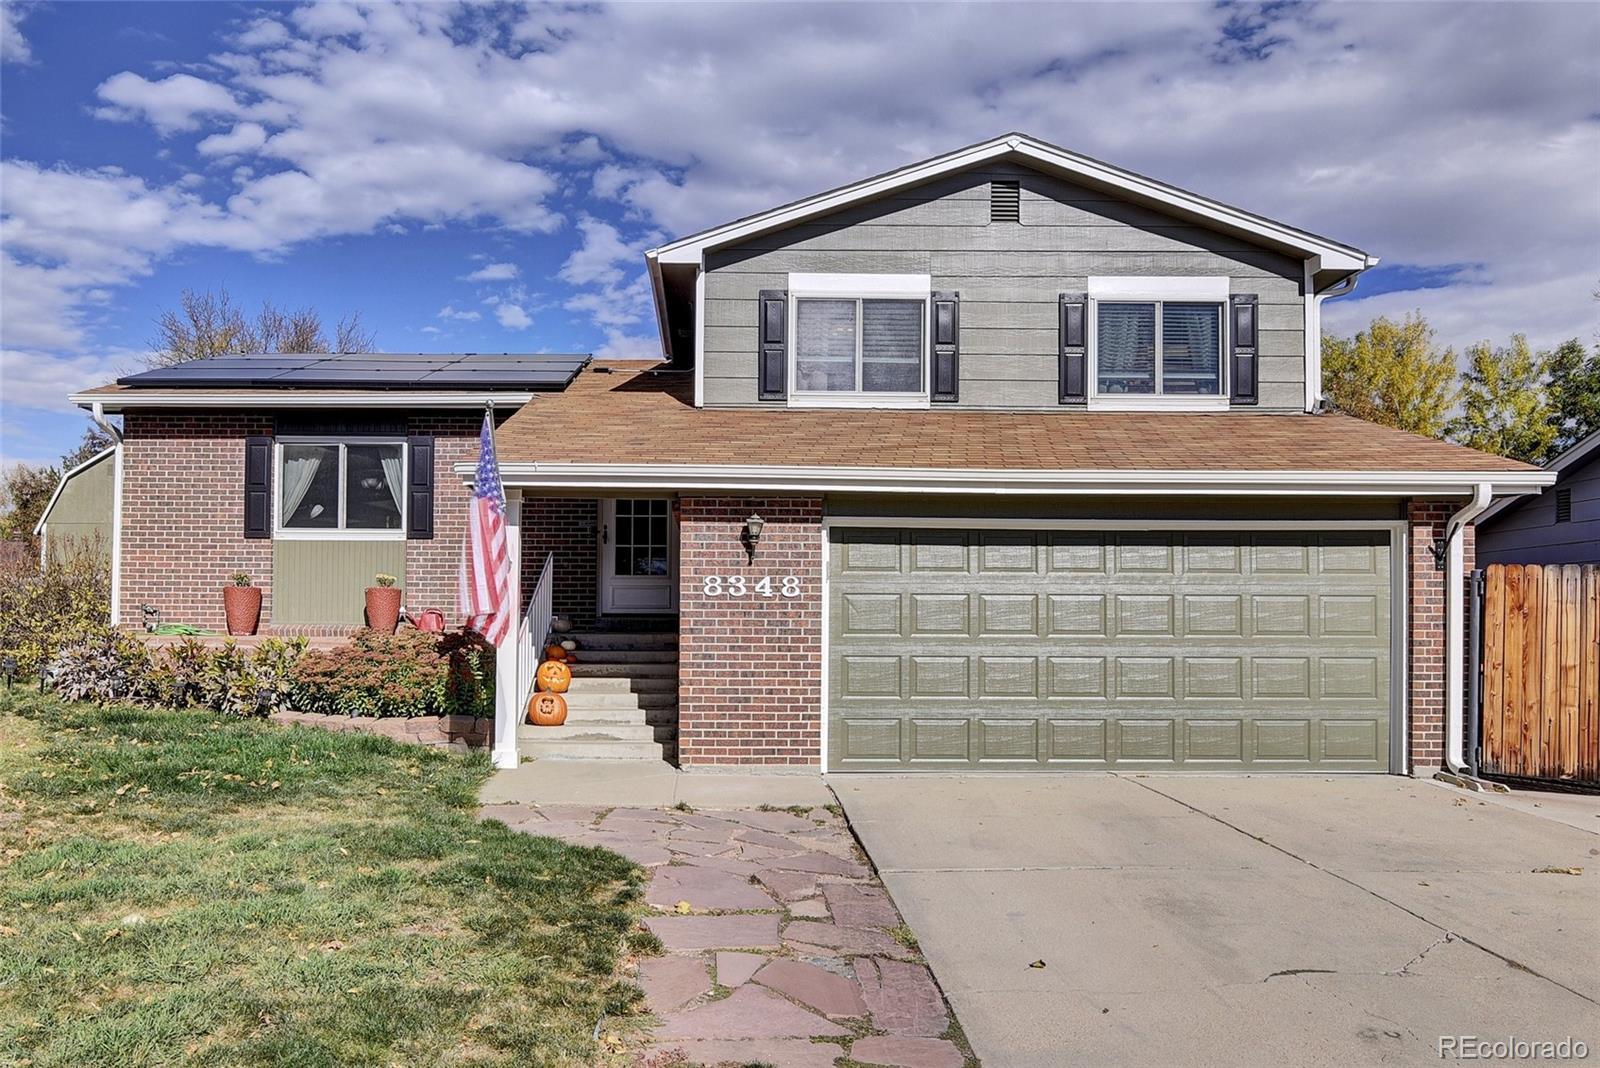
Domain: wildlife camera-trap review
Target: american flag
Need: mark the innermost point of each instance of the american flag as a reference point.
(484, 590)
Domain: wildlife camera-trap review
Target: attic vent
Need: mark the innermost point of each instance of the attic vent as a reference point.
(1005, 201)
(1564, 505)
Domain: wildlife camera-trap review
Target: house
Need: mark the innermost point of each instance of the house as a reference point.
(1561, 526)
(78, 514)
(1009, 459)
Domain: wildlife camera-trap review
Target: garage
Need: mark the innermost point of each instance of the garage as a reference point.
(1061, 649)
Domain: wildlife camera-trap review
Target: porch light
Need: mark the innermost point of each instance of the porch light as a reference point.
(752, 534)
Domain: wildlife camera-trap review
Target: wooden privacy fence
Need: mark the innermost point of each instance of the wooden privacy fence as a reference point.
(1541, 672)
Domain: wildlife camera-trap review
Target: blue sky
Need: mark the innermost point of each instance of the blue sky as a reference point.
(484, 178)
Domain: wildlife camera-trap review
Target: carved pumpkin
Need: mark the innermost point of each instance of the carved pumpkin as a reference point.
(554, 652)
(554, 676)
(547, 709)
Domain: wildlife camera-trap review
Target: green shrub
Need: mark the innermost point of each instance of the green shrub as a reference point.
(108, 666)
(42, 612)
(411, 673)
(103, 667)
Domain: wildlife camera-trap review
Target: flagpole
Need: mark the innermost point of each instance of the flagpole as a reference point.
(508, 653)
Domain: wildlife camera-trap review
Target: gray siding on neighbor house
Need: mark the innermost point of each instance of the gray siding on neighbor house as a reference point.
(1528, 533)
(1009, 276)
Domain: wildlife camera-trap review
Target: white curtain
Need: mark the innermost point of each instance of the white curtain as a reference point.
(393, 474)
(298, 472)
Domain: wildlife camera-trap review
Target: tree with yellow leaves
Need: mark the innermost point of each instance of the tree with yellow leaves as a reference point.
(1504, 407)
(1392, 373)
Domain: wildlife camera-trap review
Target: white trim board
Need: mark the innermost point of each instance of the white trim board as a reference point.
(675, 477)
(338, 398)
(1029, 150)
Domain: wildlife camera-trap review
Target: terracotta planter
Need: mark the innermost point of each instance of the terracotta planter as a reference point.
(383, 608)
(242, 606)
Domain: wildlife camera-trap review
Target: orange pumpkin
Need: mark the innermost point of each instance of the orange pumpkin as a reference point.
(554, 676)
(554, 652)
(547, 709)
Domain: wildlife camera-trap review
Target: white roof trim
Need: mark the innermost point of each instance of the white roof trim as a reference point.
(333, 398)
(38, 528)
(669, 477)
(1574, 454)
(1333, 255)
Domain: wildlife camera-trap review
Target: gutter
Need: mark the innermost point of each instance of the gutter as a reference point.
(1455, 666)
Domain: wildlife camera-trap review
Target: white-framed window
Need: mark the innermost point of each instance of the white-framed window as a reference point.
(340, 488)
(858, 340)
(1158, 342)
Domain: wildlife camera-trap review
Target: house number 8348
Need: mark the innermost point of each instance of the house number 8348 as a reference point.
(739, 586)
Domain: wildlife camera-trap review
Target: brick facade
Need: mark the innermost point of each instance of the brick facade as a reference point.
(1425, 645)
(750, 668)
(568, 527)
(183, 517)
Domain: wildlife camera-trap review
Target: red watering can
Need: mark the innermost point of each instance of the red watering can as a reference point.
(430, 619)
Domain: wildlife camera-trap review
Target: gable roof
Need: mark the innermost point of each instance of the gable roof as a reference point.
(1574, 455)
(50, 505)
(1020, 147)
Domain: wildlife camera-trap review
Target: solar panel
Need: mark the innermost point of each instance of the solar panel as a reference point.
(370, 370)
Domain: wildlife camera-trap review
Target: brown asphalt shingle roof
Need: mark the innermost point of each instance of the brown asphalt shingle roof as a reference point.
(622, 413)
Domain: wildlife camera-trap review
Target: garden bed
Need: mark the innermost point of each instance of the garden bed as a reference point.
(460, 733)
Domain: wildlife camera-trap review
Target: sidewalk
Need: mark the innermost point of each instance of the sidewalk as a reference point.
(649, 784)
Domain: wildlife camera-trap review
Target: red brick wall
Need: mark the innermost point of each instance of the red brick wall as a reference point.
(433, 564)
(1426, 637)
(183, 516)
(568, 527)
(750, 668)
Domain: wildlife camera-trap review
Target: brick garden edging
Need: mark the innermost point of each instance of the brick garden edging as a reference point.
(460, 733)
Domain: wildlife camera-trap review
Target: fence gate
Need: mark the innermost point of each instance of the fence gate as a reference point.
(1541, 672)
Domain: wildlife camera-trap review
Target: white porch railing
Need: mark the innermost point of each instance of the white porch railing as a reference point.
(535, 628)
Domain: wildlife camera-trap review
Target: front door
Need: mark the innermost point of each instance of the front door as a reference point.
(638, 556)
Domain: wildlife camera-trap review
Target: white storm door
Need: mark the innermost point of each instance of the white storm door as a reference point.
(638, 556)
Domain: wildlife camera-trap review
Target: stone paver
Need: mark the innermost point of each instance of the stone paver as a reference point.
(907, 1052)
(736, 931)
(705, 889)
(829, 994)
(735, 968)
(902, 997)
(672, 982)
(748, 1012)
(785, 936)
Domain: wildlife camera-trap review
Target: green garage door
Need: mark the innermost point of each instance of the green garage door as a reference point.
(1049, 649)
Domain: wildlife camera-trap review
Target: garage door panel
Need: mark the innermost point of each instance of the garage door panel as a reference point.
(1088, 649)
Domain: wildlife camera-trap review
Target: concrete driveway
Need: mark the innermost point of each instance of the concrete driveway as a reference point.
(1238, 921)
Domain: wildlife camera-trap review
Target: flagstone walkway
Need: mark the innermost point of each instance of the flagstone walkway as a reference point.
(782, 948)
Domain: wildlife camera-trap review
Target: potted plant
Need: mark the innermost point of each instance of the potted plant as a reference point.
(241, 603)
(383, 604)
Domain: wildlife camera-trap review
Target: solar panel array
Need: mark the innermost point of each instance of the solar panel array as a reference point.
(370, 370)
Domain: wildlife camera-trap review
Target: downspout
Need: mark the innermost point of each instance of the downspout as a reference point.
(97, 412)
(1340, 288)
(1455, 665)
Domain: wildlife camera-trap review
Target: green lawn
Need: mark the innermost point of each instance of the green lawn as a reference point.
(181, 888)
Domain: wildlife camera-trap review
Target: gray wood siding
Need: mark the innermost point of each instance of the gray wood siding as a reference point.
(1529, 534)
(1008, 275)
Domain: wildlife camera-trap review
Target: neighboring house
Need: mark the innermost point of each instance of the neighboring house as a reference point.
(78, 514)
(1009, 459)
(1559, 526)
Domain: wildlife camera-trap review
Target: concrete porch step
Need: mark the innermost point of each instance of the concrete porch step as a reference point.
(652, 699)
(595, 748)
(623, 684)
(589, 730)
(584, 670)
(593, 640)
(625, 656)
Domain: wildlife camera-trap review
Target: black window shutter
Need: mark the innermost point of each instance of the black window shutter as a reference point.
(772, 367)
(1074, 328)
(947, 347)
(258, 486)
(1242, 378)
(419, 487)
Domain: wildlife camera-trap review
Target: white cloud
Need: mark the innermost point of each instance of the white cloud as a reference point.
(13, 46)
(245, 137)
(493, 272)
(177, 102)
(511, 316)
(449, 312)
